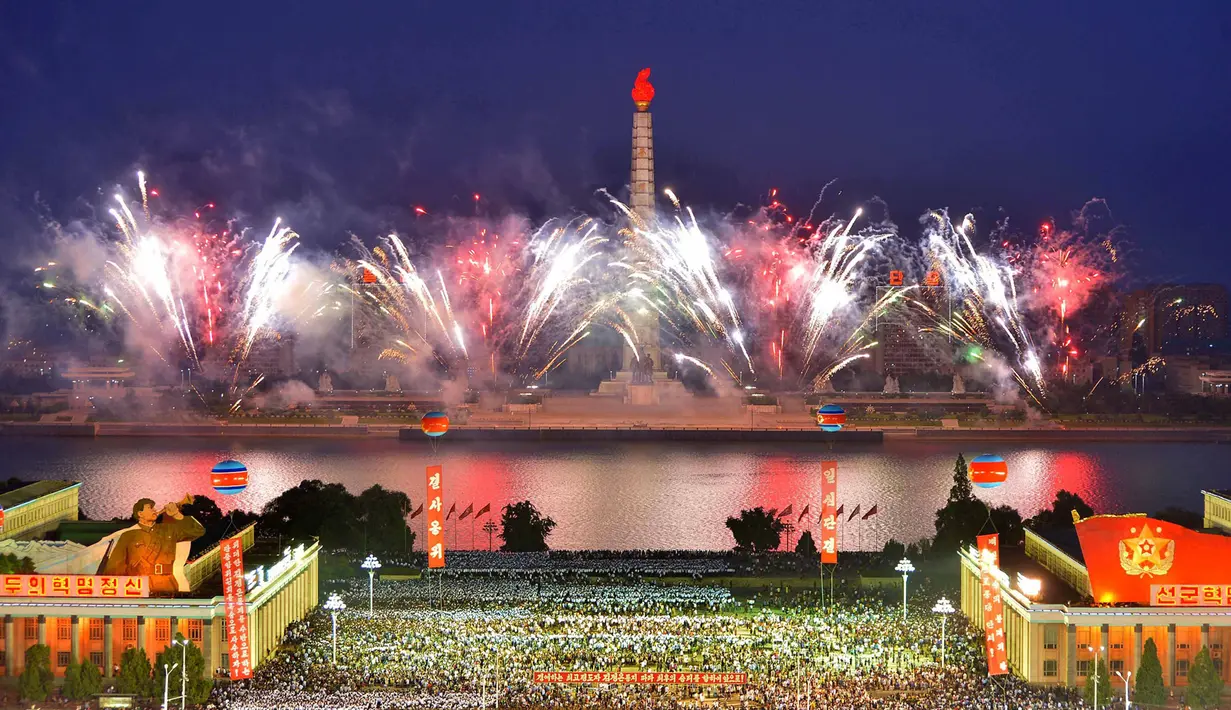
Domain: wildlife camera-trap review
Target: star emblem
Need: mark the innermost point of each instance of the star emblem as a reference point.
(1146, 555)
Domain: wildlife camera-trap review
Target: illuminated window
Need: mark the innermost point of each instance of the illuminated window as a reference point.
(96, 629)
(96, 658)
(1051, 635)
(224, 633)
(1049, 668)
(226, 660)
(1182, 646)
(31, 628)
(64, 630)
(194, 630)
(63, 659)
(1181, 667)
(1083, 669)
(1117, 665)
(162, 630)
(130, 629)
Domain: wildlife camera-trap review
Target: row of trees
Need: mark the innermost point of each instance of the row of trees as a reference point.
(375, 520)
(136, 677)
(1204, 683)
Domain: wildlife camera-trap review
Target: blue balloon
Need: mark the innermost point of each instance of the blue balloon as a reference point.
(831, 418)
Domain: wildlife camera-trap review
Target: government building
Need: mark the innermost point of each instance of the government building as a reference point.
(85, 616)
(1101, 588)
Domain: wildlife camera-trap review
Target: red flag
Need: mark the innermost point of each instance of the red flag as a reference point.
(993, 606)
(452, 510)
(871, 511)
(853, 513)
(483, 511)
(417, 513)
(466, 513)
(841, 509)
(790, 508)
(803, 512)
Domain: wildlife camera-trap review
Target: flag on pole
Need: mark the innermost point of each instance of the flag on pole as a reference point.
(452, 510)
(466, 513)
(804, 512)
(853, 513)
(790, 508)
(871, 511)
(483, 511)
(417, 513)
(841, 509)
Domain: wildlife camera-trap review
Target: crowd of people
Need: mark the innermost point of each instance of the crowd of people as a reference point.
(461, 642)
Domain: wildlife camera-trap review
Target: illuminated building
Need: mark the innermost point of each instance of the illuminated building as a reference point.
(32, 510)
(80, 617)
(1174, 320)
(1051, 621)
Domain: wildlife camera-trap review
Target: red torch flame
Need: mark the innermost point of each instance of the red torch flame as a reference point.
(643, 90)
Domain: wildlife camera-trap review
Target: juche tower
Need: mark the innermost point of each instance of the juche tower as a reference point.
(641, 199)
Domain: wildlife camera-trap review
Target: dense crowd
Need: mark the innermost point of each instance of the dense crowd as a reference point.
(460, 643)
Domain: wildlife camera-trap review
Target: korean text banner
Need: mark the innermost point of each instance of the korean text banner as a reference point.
(635, 678)
(829, 512)
(73, 585)
(435, 517)
(993, 607)
(989, 545)
(235, 603)
(1126, 555)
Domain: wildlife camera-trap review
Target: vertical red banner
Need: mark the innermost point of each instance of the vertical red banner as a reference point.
(993, 606)
(233, 589)
(829, 512)
(435, 517)
(989, 547)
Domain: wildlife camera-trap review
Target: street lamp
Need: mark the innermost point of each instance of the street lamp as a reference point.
(183, 644)
(1095, 674)
(333, 605)
(166, 683)
(371, 564)
(943, 607)
(1125, 678)
(905, 567)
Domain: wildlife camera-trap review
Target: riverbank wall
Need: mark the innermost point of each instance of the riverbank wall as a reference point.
(607, 434)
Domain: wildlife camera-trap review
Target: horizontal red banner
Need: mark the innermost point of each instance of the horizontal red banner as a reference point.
(73, 585)
(632, 678)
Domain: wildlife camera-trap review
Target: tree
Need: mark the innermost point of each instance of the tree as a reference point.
(524, 529)
(1102, 681)
(199, 682)
(1148, 689)
(961, 490)
(314, 509)
(72, 682)
(963, 516)
(384, 518)
(809, 556)
(36, 680)
(1204, 684)
(756, 530)
(91, 680)
(1061, 513)
(893, 551)
(136, 676)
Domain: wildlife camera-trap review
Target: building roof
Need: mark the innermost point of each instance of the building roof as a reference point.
(34, 491)
(1224, 493)
(1065, 539)
(1053, 590)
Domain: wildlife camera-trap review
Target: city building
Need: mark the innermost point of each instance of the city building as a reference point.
(1054, 629)
(31, 511)
(86, 616)
(1186, 319)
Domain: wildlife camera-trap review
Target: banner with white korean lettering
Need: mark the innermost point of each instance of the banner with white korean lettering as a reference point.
(993, 606)
(435, 517)
(234, 596)
(639, 678)
(829, 512)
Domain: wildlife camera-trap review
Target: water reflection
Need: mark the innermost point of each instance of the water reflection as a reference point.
(629, 496)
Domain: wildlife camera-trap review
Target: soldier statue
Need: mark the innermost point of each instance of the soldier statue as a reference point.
(149, 549)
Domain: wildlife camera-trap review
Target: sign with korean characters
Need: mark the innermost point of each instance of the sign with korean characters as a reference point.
(829, 512)
(73, 585)
(635, 678)
(435, 517)
(236, 605)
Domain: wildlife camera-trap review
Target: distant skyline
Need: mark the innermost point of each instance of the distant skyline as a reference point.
(342, 118)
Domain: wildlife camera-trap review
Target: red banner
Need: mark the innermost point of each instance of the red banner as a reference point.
(829, 512)
(435, 517)
(990, 545)
(73, 585)
(1127, 555)
(993, 607)
(233, 590)
(634, 678)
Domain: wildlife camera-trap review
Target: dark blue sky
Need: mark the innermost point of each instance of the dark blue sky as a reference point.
(347, 114)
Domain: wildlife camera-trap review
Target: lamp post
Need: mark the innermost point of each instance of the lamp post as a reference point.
(943, 607)
(166, 684)
(1125, 678)
(183, 644)
(905, 567)
(333, 605)
(1095, 674)
(371, 564)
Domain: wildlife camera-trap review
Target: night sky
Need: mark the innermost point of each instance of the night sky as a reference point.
(343, 116)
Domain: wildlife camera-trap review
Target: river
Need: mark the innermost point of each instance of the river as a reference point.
(633, 495)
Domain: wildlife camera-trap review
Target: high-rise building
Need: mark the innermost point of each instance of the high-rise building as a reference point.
(1188, 319)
